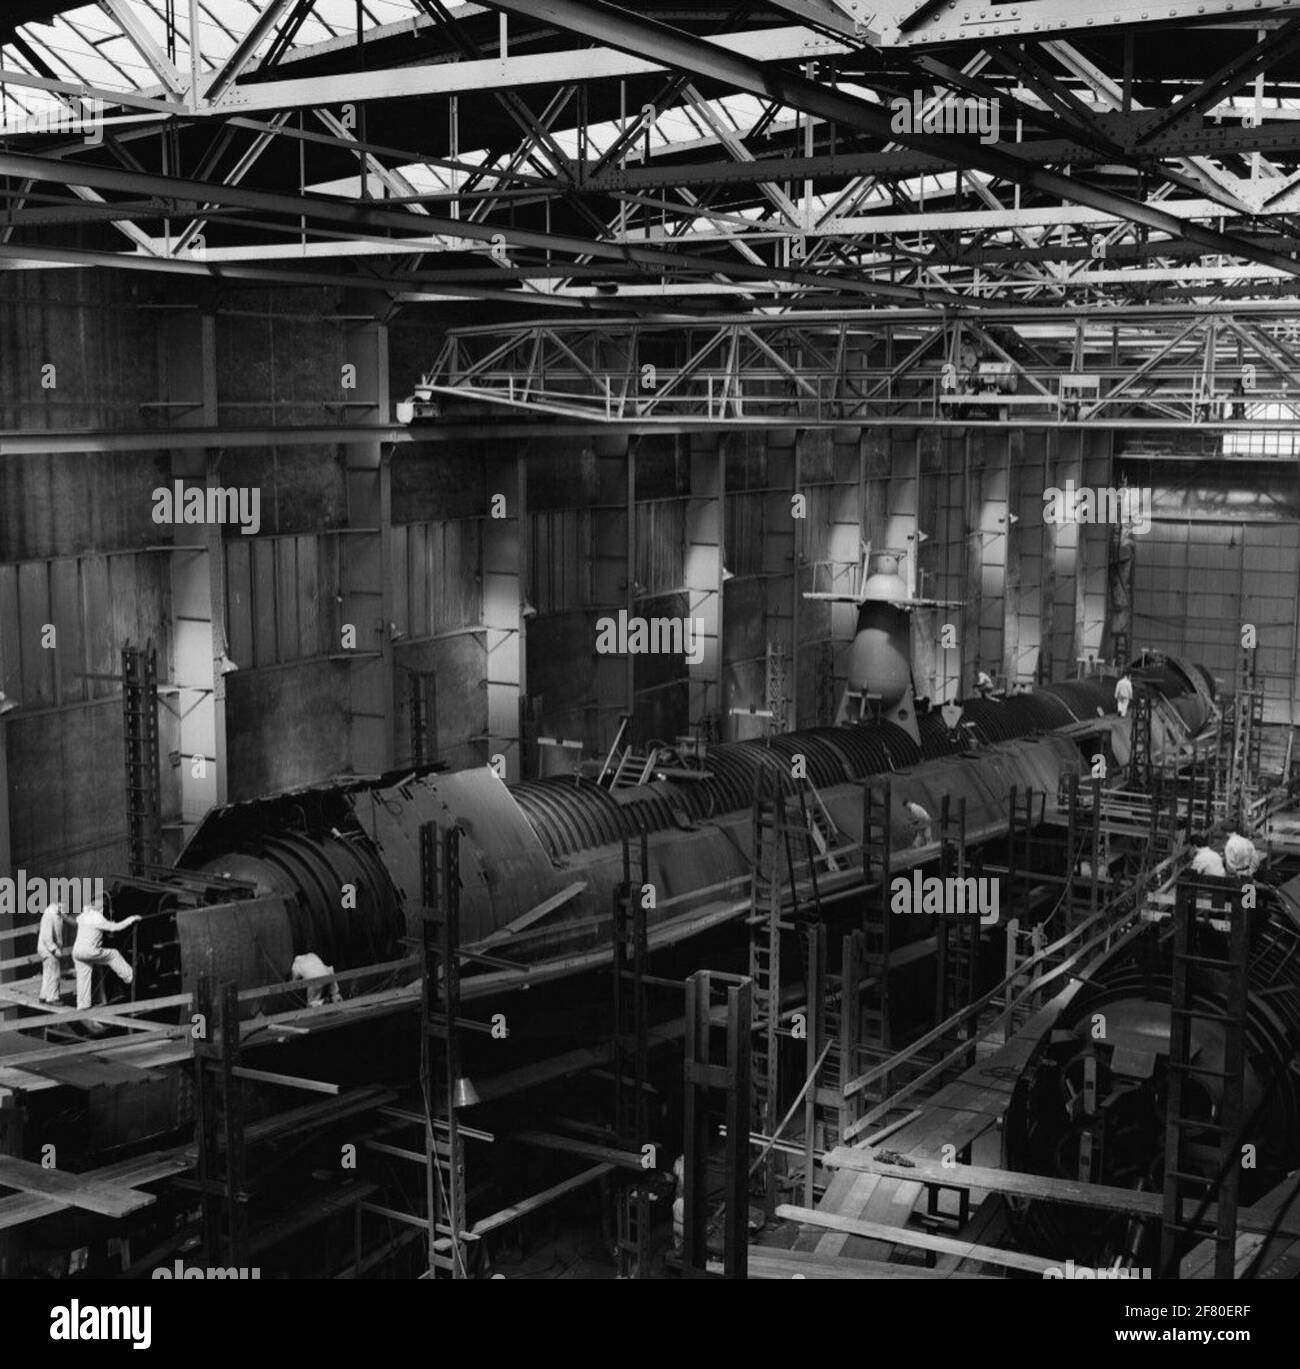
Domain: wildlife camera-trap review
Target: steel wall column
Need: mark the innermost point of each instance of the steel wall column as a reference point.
(6, 856)
(782, 539)
(903, 490)
(189, 371)
(989, 523)
(631, 552)
(610, 553)
(1068, 546)
(971, 571)
(367, 557)
(859, 511)
(503, 600)
(1097, 464)
(7, 921)
(1047, 652)
(705, 545)
(1013, 667)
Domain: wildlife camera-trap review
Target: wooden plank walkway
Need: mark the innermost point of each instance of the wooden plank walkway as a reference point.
(957, 1115)
(1040, 1186)
(72, 1190)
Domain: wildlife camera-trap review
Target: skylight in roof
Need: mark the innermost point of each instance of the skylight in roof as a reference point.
(87, 44)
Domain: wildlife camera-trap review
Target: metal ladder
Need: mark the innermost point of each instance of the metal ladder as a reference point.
(445, 1198)
(1083, 843)
(607, 769)
(1139, 765)
(218, 1106)
(634, 768)
(1196, 978)
(766, 927)
(844, 1028)
(1240, 738)
(631, 1051)
(140, 738)
(1020, 849)
(1252, 723)
(877, 852)
(956, 940)
(819, 825)
(785, 897)
(622, 769)
(1221, 769)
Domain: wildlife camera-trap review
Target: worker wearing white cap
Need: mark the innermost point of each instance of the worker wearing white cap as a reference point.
(1240, 855)
(49, 945)
(1123, 695)
(88, 951)
(311, 966)
(922, 824)
(1206, 861)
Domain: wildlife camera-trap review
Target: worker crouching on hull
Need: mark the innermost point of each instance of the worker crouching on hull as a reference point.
(311, 966)
(88, 950)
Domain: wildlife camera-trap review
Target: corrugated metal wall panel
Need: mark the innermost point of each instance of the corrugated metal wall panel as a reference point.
(561, 554)
(65, 610)
(1199, 581)
(661, 544)
(281, 596)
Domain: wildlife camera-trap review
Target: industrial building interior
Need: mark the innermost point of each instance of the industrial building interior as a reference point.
(649, 643)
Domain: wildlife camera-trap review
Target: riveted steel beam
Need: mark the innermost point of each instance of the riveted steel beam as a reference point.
(688, 52)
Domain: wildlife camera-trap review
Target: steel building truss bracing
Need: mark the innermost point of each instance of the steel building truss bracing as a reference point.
(810, 153)
(1234, 368)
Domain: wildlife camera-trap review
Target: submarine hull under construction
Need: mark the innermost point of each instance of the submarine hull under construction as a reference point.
(335, 870)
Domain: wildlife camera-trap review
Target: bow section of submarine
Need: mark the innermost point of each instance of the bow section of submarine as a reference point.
(334, 869)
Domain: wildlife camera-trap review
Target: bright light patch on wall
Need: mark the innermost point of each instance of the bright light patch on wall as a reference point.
(1276, 443)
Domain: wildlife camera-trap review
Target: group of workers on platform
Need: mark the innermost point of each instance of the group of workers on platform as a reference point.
(88, 951)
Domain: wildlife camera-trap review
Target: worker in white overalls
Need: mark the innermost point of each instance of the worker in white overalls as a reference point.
(1207, 861)
(88, 950)
(922, 826)
(679, 1203)
(1123, 695)
(311, 966)
(49, 945)
(1241, 856)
